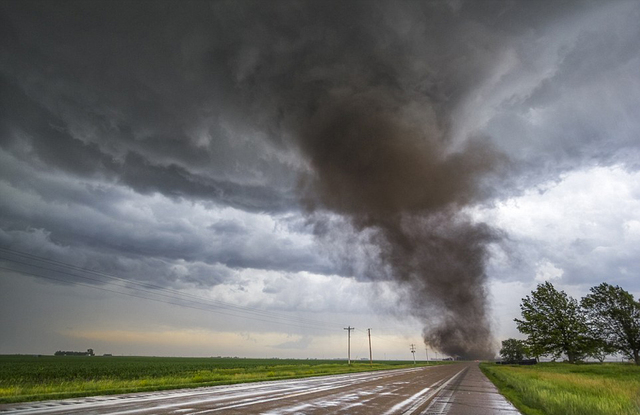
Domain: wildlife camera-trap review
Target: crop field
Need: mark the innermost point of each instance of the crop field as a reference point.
(567, 389)
(28, 378)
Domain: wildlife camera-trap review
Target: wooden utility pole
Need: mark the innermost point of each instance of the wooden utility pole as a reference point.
(349, 349)
(370, 355)
(413, 350)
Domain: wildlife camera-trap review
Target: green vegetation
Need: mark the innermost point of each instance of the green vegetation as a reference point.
(604, 322)
(29, 378)
(567, 389)
(555, 324)
(513, 350)
(615, 319)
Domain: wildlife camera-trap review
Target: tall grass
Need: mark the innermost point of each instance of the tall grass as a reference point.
(28, 378)
(566, 389)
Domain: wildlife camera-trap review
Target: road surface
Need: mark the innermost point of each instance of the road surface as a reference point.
(449, 389)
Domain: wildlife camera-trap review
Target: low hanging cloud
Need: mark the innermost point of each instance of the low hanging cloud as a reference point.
(211, 137)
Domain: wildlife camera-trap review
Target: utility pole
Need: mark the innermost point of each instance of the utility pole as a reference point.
(370, 355)
(349, 333)
(413, 350)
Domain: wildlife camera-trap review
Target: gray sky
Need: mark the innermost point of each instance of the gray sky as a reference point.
(248, 178)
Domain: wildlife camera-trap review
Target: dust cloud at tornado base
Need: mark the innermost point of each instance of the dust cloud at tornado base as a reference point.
(397, 188)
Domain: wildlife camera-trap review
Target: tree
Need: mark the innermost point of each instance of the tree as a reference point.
(513, 350)
(598, 348)
(614, 316)
(534, 347)
(554, 323)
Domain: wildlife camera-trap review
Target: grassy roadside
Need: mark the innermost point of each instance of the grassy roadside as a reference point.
(31, 378)
(565, 389)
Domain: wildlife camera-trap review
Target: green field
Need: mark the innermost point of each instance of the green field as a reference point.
(28, 378)
(566, 389)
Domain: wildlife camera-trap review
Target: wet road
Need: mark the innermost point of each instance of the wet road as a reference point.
(450, 389)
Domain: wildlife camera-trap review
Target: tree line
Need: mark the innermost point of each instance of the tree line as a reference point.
(605, 321)
(89, 352)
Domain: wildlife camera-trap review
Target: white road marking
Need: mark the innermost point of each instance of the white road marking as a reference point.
(439, 405)
(418, 399)
(395, 408)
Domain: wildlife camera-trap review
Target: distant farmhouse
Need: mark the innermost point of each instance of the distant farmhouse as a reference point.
(89, 352)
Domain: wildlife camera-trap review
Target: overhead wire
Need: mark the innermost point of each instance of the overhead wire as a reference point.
(169, 296)
(181, 299)
(143, 284)
(154, 287)
(386, 340)
(181, 304)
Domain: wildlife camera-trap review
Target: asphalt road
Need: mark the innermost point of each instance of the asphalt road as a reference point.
(449, 389)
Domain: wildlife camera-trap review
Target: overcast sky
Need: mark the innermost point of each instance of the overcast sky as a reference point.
(249, 178)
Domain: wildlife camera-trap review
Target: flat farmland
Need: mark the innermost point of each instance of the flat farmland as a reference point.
(29, 378)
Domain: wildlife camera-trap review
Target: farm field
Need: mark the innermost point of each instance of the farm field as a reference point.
(29, 378)
(567, 389)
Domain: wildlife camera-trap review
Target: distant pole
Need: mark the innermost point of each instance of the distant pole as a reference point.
(370, 354)
(349, 337)
(413, 350)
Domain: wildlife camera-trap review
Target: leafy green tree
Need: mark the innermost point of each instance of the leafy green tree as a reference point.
(554, 323)
(513, 350)
(596, 346)
(614, 316)
(534, 348)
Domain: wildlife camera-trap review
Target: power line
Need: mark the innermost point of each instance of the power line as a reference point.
(384, 339)
(199, 299)
(181, 304)
(147, 291)
(185, 300)
(140, 284)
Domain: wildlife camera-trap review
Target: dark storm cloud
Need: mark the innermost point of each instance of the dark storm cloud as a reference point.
(375, 132)
(138, 96)
(155, 235)
(372, 103)
(97, 222)
(55, 146)
(572, 102)
(390, 118)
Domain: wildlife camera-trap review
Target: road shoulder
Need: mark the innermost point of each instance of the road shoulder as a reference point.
(470, 393)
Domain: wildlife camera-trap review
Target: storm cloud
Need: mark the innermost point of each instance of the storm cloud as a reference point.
(185, 142)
